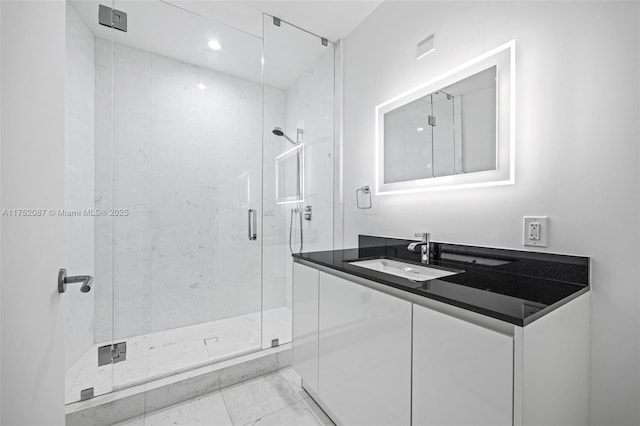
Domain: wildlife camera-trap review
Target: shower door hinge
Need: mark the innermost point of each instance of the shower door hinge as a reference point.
(86, 394)
(432, 120)
(112, 354)
(112, 18)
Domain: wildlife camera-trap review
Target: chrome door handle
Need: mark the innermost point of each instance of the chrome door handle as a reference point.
(252, 225)
(63, 280)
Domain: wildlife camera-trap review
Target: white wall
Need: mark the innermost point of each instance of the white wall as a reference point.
(181, 157)
(32, 153)
(577, 131)
(79, 180)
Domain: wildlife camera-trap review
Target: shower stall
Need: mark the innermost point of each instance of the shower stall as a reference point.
(184, 202)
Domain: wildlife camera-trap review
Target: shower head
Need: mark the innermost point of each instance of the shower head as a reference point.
(279, 132)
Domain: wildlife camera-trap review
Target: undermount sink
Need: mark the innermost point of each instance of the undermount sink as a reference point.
(401, 269)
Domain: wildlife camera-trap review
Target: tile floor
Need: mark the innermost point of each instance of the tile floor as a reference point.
(155, 354)
(274, 399)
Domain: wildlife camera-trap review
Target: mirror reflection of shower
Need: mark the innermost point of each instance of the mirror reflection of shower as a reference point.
(279, 132)
(294, 211)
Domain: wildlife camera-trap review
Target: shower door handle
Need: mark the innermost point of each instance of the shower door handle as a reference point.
(252, 225)
(64, 279)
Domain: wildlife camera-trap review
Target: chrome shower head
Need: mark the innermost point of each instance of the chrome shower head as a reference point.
(279, 132)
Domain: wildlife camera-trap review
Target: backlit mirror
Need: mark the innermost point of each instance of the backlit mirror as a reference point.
(290, 175)
(454, 130)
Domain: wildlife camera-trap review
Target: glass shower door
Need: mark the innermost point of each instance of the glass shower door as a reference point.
(89, 316)
(192, 259)
(444, 144)
(299, 101)
(187, 180)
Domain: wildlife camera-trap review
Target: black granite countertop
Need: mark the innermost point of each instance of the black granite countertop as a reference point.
(510, 285)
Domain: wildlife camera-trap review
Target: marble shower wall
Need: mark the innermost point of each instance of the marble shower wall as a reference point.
(274, 225)
(310, 103)
(187, 165)
(79, 181)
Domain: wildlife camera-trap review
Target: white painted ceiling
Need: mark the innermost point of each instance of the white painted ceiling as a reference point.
(333, 19)
(172, 30)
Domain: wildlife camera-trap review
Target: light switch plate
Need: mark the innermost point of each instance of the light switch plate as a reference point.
(535, 231)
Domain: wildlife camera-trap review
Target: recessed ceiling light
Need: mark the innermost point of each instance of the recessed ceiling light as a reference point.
(201, 86)
(215, 45)
(420, 129)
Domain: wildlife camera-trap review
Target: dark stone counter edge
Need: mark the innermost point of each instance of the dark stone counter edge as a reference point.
(493, 314)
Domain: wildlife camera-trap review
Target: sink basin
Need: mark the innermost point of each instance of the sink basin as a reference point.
(401, 269)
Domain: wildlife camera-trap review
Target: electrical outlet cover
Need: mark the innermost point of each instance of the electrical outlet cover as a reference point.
(543, 231)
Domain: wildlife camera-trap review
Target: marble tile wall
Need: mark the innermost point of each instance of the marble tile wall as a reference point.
(274, 226)
(310, 103)
(79, 181)
(187, 163)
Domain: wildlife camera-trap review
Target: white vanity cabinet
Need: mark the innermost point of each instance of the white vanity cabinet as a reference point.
(462, 372)
(365, 354)
(374, 355)
(305, 325)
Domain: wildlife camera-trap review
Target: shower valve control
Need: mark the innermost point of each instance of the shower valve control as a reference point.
(307, 212)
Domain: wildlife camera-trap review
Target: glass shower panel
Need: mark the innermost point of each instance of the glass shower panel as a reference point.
(444, 146)
(299, 99)
(187, 179)
(89, 316)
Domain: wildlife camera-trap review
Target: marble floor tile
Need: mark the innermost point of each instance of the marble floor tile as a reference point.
(89, 375)
(136, 421)
(320, 415)
(270, 400)
(159, 353)
(136, 366)
(181, 334)
(231, 336)
(294, 415)
(164, 358)
(276, 325)
(208, 410)
(257, 398)
(294, 381)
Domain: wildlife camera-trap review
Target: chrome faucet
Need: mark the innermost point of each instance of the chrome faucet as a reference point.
(424, 247)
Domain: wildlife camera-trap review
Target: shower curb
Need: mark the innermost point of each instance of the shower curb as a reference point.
(137, 400)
